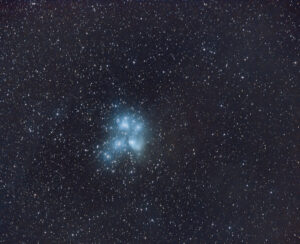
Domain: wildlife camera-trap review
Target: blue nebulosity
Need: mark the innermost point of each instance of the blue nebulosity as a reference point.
(127, 137)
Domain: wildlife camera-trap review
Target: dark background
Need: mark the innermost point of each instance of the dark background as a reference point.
(217, 83)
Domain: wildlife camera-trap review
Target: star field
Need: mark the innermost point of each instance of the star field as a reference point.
(149, 121)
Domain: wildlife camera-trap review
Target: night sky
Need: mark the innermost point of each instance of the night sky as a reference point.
(150, 122)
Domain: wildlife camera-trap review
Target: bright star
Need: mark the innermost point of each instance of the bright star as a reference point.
(119, 143)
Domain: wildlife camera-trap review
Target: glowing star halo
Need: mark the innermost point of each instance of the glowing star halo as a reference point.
(124, 125)
(135, 144)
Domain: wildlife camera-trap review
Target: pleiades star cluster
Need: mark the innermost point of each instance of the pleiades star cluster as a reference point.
(149, 121)
(127, 137)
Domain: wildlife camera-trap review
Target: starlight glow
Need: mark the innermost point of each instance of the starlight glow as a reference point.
(135, 144)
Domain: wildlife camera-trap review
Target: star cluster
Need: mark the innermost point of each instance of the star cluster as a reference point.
(127, 137)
